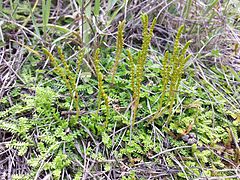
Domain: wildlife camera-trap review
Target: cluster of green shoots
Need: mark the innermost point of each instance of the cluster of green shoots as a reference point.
(171, 72)
(69, 77)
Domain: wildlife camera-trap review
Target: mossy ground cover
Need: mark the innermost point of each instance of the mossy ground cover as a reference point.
(49, 132)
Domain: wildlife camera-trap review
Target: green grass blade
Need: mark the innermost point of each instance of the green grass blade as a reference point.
(210, 6)
(33, 19)
(96, 8)
(45, 12)
(111, 3)
(1, 4)
(187, 8)
(86, 27)
(236, 76)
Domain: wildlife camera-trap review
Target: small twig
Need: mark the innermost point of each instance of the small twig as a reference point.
(169, 150)
(72, 113)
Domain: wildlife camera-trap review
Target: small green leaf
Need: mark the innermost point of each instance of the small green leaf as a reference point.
(107, 167)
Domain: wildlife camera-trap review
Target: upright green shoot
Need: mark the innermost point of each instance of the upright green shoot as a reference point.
(46, 4)
(132, 69)
(1, 4)
(119, 47)
(142, 57)
(187, 8)
(96, 7)
(165, 73)
(102, 93)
